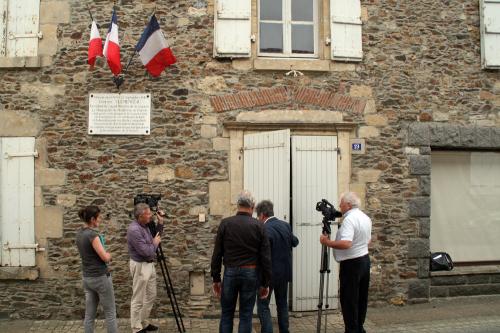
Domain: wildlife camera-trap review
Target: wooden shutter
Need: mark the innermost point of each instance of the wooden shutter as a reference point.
(490, 33)
(3, 27)
(267, 173)
(345, 28)
(232, 28)
(314, 177)
(17, 233)
(22, 28)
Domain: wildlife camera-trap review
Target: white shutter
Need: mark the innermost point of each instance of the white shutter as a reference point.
(314, 175)
(267, 173)
(17, 233)
(3, 27)
(232, 28)
(490, 33)
(345, 28)
(23, 28)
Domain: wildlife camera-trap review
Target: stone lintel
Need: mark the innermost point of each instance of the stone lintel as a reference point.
(19, 273)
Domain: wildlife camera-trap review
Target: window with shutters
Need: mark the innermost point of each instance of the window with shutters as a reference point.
(289, 32)
(19, 28)
(490, 33)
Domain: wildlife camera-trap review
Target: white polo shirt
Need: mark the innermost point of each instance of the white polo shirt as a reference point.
(356, 227)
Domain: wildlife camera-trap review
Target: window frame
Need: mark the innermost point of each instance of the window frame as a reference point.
(287, 34)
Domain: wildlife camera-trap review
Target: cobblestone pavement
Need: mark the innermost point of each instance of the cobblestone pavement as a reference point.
(471, 315)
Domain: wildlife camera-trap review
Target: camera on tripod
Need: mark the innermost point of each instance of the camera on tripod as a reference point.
(328, 210)
(151, 200)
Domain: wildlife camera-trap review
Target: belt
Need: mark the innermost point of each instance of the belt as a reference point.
(248, 266)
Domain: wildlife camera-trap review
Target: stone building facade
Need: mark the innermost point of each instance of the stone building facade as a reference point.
(419, 86)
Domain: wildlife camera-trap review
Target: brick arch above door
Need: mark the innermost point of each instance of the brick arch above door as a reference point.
(281, 95)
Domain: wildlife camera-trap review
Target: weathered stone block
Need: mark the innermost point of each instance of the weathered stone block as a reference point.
(452, 280)
(197, 283)
(220, 144)
(54, 12)
(160, 174)
(370, 107)
(376, 120)
(196, 210)
(418, 248)
(306, 116)
(219, 197)
(209, 120)
(420, 165)
(19, 123)
(483, 137)
(419, 207)
(361, 91)
(369, 176)
(444, 135)
(423, 268)
(424, 228)
(495, 137)
(48, 222)
(50, 177)
(48, 44)
(478, 279)
(242, 64)
(212, 85)
(208, 131)
(66, 200)
(467, 136)
(38, 196)
(439, 291)
(419, 135)
(19, 273)
(368, 132)
(20, 62)
(419, 289)
(424, 183)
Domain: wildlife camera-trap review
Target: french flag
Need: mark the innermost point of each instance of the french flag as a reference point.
(112, 46)
(95, 44)
(154, 50)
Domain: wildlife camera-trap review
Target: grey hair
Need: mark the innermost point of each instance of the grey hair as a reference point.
(352, 199)
(139, 209)
(265, 207)
(245, 199)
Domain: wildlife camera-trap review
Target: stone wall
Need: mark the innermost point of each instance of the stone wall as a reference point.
(421, 64)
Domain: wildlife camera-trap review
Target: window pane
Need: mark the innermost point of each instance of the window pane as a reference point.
(302, 39)
(271, 37)
(302, 10)
(271, 10)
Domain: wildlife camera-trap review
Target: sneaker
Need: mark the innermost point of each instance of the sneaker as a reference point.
(150, 328)
(142, 331)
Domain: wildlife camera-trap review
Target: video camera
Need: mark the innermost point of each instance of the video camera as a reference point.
(150, 199)
(329, 212)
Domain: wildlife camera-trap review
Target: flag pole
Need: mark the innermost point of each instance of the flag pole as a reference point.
(135, 49)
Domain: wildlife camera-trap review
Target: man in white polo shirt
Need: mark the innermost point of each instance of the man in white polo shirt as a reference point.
(351, 251)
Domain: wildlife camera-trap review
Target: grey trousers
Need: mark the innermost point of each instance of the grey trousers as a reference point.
(99, 289)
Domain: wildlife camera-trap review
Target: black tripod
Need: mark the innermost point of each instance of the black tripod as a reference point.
(160, 257)
(325, 268)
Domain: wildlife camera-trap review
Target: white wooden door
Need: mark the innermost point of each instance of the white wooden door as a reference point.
(267, 173)
(314, 177)
(17, 233)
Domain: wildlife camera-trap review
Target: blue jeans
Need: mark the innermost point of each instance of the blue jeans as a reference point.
(242, 282)
(99, 289)
(281, 296)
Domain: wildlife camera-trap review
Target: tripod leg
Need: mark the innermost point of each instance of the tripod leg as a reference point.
(327, 305)
(170, 290)
(323, 270)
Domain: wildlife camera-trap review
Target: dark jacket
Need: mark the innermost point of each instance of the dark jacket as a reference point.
(241, 241)
(281, 240)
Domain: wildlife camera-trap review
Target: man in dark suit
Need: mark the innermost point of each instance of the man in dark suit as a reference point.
(281, 240)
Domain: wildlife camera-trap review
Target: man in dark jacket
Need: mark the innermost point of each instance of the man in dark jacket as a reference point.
(281, 240)
(242, 243)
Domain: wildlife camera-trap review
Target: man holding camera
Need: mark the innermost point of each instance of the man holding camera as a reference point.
(142, 250)
(242, 243)
(281, 240)
(351, 251)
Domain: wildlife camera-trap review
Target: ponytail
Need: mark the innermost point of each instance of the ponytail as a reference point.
(89, 212)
